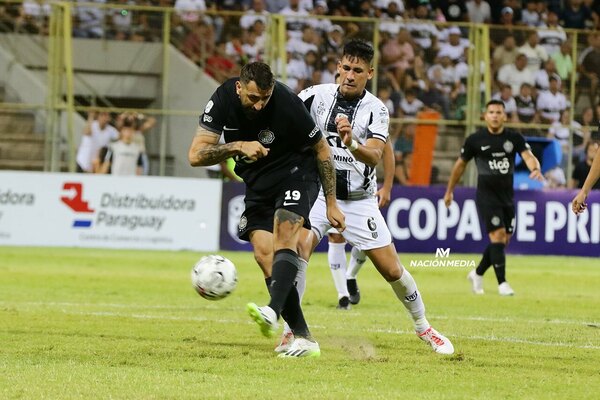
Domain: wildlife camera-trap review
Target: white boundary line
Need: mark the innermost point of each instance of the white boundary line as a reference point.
(491, 338)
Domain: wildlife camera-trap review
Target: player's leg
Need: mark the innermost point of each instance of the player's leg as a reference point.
(499, 239)
(357, 260)
(387, 263)
(336, 255)
(490, 216)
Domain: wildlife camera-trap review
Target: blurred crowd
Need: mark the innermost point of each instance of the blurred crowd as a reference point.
(423, 46)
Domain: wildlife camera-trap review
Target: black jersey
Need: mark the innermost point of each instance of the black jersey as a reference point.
(284, 126)
(495, 159)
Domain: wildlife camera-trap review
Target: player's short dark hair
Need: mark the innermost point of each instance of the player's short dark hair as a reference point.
(360, 49)
(258, 72)
(494, 102)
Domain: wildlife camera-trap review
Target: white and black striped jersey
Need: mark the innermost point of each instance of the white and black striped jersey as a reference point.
(369, 118)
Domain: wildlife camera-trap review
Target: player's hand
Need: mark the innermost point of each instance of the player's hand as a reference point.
(384, 195)
(448, 197)
(536, 174)
(253, 150)
(579, 205)
(336, 217)
(344, 129)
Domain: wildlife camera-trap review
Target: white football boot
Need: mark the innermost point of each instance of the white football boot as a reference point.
(476, 282)
(265, 317)
(504, 289)
(302, 347)
(438, 342)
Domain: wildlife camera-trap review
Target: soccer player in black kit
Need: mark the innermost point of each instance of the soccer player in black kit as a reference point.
(280, 155)
(494, 149)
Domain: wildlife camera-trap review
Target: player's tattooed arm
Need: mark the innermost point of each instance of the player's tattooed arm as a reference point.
(326, 169)
(206, 150)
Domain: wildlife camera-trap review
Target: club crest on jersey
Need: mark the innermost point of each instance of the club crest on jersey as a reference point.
(496, 220)
(243, 223)
(508, 146)
(266, 136)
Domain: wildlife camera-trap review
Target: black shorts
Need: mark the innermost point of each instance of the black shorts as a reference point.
(295, 195)
(496, 217)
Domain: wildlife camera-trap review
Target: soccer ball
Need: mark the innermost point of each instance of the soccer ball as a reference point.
(214, 277)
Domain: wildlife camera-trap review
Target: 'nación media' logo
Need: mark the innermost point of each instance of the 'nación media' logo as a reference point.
(442, 260)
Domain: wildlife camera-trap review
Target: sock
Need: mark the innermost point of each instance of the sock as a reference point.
(357, 260)
(268, 283)
(293, 315)
(407, 292)
(300, 284)
(285, 268)
(485, 263)
(498, 260)
(336, 256)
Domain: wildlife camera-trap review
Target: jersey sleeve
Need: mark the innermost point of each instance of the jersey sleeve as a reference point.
(467, 152)
(520, 144)
(213, 117)
(307, 96)
(379, 124)
(304, 124)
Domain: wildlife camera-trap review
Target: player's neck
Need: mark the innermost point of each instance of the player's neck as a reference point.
(496, 131)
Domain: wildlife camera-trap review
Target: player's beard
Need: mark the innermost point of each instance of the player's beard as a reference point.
(250, 112)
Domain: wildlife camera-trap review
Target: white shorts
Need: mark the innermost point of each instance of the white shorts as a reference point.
(365, 227)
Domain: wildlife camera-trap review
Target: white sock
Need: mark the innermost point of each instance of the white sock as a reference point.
(337, 263)
(407, 292)
(300, 284)
(357, 260)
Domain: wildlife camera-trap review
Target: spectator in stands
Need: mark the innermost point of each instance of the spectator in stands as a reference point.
(320, 25)
(121, 20)
(234, 48)
(124, 157)
(530, 15)
(564, 62)
(516, 74)
(424, 33)
(219, 66)
(453, 10)
(33, 17)
(506, 53)
(582, 169)
(506, 27)
(555, 178)
(328, 73)
(390, 14)
(455, 45)
(397, 54)
(190, 12)
(552, 36)
(333, 42)
(550, 103)
(97, 133)
(275, 6)
(444, 80)
(198, 44)
(294, 20)
(575, 15)
(542, 77)
(90, 20)
(583, 136)
(142, 125)
(257, 12)
(562, 130)
(298, 47)
(535, 53)
(479, 11)
(510, 105)
(526, 111)
(595, 8)
(590, 65)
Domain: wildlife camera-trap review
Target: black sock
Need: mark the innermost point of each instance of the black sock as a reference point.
(268, 283)
(285, 268)
(498, 260)
(293, 315)
(485, 263)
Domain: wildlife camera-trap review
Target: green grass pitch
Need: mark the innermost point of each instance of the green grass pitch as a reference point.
(106, 324)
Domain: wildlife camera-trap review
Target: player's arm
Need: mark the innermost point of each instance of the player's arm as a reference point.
(370, 153)
(327, 174)
(205, 149)
(579, 204)
(389, 165)
(533, 165)
(87, 129)
(457, 172)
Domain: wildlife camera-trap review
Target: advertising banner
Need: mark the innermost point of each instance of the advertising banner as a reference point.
(420, 222)
(83, 210)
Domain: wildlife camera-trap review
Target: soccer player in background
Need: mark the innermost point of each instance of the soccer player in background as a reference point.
(280, 155)
(356, 124)
(344, 273)
(494, 148)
